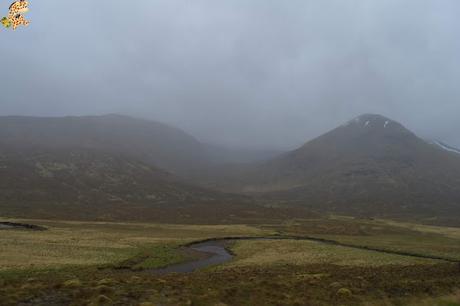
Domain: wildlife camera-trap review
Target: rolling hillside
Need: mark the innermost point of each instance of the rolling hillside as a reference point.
(89, 185)
(151, 142)
(117, 167)
(111, 168)
(370, 165)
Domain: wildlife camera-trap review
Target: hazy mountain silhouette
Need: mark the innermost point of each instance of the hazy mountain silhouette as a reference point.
(109, 168)
(89, 166)
(370, 165)
(152, 142)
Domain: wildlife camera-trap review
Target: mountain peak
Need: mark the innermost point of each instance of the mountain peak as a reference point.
(372, 120)
(370, 165)
(371, 117)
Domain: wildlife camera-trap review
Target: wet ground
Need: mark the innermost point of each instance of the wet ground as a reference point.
(14, 225)
(213, 253)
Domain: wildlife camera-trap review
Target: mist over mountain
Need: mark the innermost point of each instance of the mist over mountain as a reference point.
(241, 73)
(369, 165)
(112, 167)
(152, 142)
(230, 152)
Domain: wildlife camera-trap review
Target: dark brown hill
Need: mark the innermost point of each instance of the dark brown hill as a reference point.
(112, 167)
(82, 184)
(370, 165)
(151, 142)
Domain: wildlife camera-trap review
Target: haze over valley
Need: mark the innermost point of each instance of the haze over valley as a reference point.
(82, 167)
(228, 153)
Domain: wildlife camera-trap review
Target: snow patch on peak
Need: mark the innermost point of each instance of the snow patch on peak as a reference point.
(368, 120)
(356, 120)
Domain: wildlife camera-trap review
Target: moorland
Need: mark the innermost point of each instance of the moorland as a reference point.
(97, 263)
(96, 209)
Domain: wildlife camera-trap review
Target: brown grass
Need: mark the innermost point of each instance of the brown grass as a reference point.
(282, 252)
(96, 243)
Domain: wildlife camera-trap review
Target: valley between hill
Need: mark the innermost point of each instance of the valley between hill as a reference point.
(117, 198)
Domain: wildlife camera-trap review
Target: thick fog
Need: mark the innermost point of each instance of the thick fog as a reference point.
(256, 73)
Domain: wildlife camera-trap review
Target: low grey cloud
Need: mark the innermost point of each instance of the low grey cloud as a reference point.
(259, 73)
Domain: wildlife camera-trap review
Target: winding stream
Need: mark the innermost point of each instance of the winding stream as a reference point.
(215, 252)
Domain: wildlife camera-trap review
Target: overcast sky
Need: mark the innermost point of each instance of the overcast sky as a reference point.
(256, 73)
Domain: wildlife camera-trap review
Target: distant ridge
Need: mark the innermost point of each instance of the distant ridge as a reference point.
(109, 167)
(116, 167)
(445, 146)
(370, 165)
(152, 142)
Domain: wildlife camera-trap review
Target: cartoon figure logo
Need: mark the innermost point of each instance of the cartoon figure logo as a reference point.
(16, 15)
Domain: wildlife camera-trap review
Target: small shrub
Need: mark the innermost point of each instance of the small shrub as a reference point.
(344, 292)
(103, 289)
(107, 281)
(335, 285)
(135, 279)
(101, 300)
(72, 283)
(146, 304)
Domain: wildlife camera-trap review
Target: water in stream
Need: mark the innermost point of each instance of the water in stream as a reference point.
(217, 254)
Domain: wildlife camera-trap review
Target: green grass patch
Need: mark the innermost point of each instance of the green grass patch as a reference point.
(152, 257)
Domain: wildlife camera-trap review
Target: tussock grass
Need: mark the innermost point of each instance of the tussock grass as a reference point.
(382, 234)
(98, 243)
(280, 252)
(424, 244)
(264, 272)
(449, 300)
(450, 232)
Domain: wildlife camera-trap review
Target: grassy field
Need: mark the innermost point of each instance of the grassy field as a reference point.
(450, 300)
(295, 252)
(383, 234)
(97, 263)
(98, 243)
